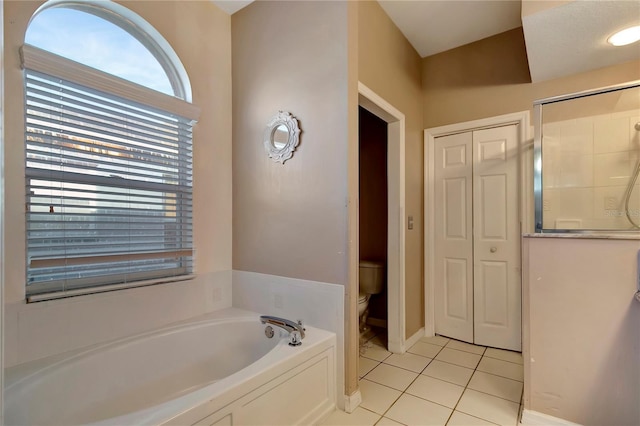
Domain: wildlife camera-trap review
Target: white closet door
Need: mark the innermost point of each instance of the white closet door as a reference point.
(496, 242)
(477, 238)
(454, 237)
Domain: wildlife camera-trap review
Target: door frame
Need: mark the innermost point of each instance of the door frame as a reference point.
(395, 120)
(525, 191)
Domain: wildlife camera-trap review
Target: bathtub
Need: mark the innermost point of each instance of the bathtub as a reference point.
(220, 369)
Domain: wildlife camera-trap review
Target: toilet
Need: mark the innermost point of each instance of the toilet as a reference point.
(371, 282)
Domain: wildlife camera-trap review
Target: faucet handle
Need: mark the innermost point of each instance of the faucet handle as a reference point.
(301, 325)
(295, 339)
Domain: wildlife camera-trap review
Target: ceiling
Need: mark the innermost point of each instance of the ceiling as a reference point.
(231, 6)
(572, 37)
(562, 37)
(435, 26)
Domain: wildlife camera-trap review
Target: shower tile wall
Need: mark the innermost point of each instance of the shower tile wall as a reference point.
(587, 164)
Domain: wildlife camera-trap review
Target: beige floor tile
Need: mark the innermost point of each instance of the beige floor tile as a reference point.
(385, 421)
(365, 365)
(375, 352)
(380, 340)
(466, 347)
(488, 407)
(408, 361)
(454, 356)
(359, 417)
(425, 349)
(367, 335)
(394, 377)
(501, 368)
(448, 372)
(412, 410)
(462, 419)
(376, 397)
(435, 340)
(504, 355)
(434, 390)
(496, 386)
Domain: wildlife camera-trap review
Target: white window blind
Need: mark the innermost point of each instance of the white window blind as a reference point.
(108, 188)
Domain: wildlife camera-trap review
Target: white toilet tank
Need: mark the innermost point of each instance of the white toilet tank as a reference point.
(371, 277)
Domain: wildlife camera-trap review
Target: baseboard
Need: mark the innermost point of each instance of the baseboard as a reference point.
(377, 322)
(534, 418)
(413, 339)
(352, 401)
(401, 347)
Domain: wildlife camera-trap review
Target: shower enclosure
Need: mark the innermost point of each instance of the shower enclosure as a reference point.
(587, 161)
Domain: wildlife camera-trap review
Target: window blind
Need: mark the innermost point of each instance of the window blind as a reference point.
(108, 188)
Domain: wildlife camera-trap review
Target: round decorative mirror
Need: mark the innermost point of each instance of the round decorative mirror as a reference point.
(281, 137)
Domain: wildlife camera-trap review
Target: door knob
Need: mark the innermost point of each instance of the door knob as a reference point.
(493, 249)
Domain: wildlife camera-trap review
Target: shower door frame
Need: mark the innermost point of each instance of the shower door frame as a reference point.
(537, 156)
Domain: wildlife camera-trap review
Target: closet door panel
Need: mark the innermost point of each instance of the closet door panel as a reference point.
(496, 242)
(454, 237)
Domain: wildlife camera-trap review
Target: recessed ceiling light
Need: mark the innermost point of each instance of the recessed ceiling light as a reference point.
(626, 36)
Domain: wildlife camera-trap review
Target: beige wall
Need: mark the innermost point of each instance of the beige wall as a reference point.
(291, 220)
(491, 77)
(200, 34)
(389, 66)
(582, 336)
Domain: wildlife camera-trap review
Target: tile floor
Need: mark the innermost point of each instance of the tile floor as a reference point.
(439, 381)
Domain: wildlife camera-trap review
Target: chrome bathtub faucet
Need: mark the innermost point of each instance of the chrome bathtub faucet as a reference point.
(295, 329)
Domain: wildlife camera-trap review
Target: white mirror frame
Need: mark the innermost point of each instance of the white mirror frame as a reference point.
(285, 153)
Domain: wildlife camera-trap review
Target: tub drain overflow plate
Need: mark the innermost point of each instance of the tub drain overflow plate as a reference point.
(268, 331)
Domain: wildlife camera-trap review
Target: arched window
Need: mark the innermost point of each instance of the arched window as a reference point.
(98, 43)
(108, 152)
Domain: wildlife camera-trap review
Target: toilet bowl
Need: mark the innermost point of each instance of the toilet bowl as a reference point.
(363, 302)
(371, 282)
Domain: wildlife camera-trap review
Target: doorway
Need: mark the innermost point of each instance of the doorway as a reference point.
(395, 271)
(396, 238)
(373, 216)
(473, 235)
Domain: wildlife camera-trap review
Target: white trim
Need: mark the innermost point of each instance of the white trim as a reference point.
(352, 401)
(520, 118)
(2, 211)
(378, 106)
(535, 418)
(141, 30)
(413, 339)
(45, 62)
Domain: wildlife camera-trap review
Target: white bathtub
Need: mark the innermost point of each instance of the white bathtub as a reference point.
(219, 369)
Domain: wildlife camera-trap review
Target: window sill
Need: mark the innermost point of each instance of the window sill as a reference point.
(102, 289)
